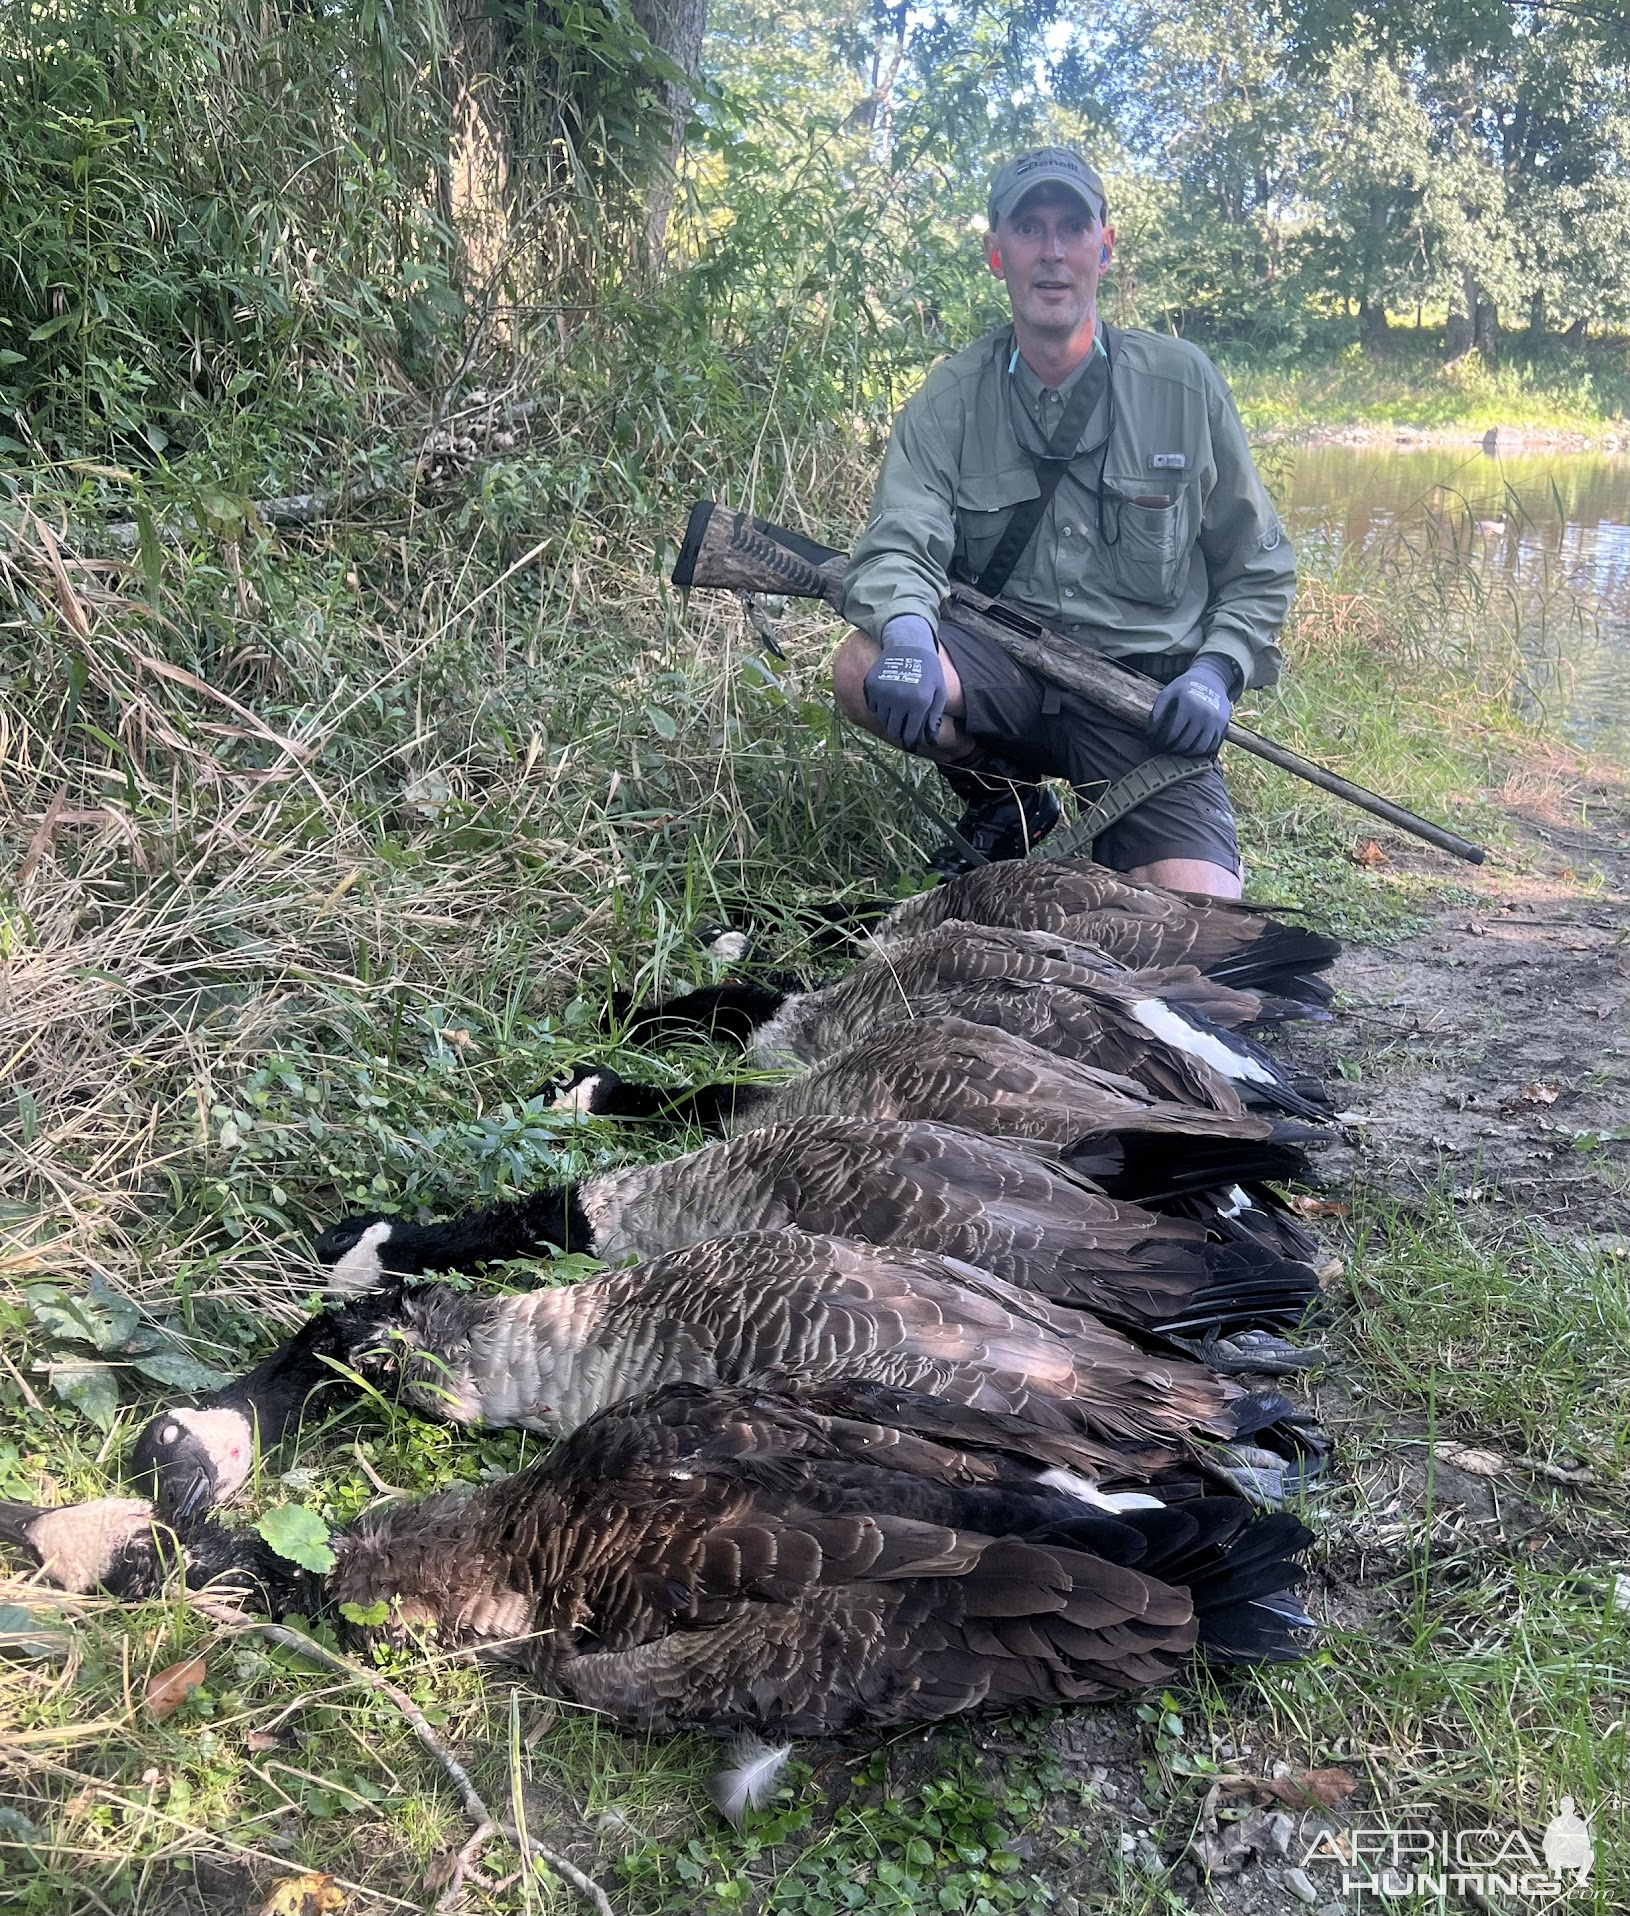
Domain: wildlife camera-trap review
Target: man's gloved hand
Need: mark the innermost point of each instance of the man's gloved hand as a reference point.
(1192, 713)
(906, 687)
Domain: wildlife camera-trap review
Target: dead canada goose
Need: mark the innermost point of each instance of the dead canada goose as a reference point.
(1009, 1207)
(729, 1560)
(939, 1071)
(1174, 1030)
(740, 1309)
(1233, 941)
(948, 1071)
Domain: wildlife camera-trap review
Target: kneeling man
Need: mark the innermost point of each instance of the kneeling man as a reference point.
(1097, 478)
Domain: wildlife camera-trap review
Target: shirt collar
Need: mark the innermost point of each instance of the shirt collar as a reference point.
(1028, 389)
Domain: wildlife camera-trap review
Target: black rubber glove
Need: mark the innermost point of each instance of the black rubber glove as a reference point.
(1192, 713)
(906, 687)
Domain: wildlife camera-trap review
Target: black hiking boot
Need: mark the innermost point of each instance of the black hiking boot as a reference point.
(1007, 814)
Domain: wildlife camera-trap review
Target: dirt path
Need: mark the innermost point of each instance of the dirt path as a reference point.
(1490, 1050)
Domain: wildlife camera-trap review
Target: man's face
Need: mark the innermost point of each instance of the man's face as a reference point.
(1050, 252)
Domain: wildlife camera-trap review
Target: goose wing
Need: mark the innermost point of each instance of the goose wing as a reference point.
(1233, 940)
(949, 1071)
(788, 1302)
(717, 1559)
(957, 962)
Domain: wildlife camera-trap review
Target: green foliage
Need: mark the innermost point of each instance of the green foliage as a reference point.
(200, 209)
(298, 1533)
(942, 1840)
(1317, 161)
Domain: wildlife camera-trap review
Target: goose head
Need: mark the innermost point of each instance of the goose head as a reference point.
(589, 1090)
(123, 1546)
(194, 1459)
(355, 1252)
(111, 1543)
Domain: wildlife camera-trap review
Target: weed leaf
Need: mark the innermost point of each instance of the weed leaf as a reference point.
(299, 1534)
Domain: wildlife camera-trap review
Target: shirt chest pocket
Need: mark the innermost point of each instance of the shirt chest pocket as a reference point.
(1149, 561)
(985, 503)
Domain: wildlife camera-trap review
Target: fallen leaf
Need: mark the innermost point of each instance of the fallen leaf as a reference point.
(440, 1870)
(170, 1688)
(1317, 1207)
(1231, 1847)
(1370, 854)
(1328, 1788)
(1475, 1463)
(310, 1895)
(1539, 1094)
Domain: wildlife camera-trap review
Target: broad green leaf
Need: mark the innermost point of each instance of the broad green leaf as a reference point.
(299, 1534)
(24, 1634)
(101, 1318)
(180, 1369)
(92, 1389)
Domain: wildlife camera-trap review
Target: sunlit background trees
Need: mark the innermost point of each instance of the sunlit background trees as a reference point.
(352, 205)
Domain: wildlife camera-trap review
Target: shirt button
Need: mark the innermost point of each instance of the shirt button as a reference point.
(1069, 592)
(1066, 530)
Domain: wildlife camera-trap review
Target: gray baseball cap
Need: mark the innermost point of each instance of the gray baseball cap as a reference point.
(1047, 166)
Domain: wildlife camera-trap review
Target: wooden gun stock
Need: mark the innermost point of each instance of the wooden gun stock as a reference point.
(743, 554)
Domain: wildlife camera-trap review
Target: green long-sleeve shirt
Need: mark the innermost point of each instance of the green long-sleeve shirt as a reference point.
(1210, 570)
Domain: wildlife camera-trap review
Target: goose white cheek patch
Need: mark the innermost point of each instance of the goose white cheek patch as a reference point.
(361, 1268)
(580, 1097)
(1163, 1022)
(227, 1438)
(77, 1545)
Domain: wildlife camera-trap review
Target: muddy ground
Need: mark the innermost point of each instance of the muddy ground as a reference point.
(1490, 1050)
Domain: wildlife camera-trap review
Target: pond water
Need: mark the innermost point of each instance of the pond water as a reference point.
(1532, 543)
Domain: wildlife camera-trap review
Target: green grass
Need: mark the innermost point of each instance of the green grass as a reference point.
(1584, 391)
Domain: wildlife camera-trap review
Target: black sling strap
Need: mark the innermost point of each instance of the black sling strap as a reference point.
(1051, 467)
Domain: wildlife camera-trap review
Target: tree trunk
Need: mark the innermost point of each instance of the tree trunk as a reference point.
(674, 28)
(1486, 330)
(1372, 325)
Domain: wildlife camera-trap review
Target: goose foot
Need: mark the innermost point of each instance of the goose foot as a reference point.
(1259, 1351)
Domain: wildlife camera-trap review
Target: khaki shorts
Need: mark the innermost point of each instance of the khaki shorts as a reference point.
(1056, 735)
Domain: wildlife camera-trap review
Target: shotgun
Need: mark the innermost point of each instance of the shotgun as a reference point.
(742, 554)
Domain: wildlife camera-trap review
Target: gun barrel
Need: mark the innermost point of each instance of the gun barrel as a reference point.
(743, 554)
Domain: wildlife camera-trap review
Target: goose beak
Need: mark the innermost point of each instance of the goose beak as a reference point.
(185, 1492)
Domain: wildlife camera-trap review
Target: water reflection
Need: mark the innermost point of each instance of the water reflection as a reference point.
(1539, 541)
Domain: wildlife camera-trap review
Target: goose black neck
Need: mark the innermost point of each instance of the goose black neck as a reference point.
(710, 1107)
(730, 1012)
(276, 1389)
(529, 1226)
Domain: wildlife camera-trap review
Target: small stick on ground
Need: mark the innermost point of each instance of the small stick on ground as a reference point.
(474, 1805)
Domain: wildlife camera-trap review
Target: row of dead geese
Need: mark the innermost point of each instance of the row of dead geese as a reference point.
(943, 1380)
